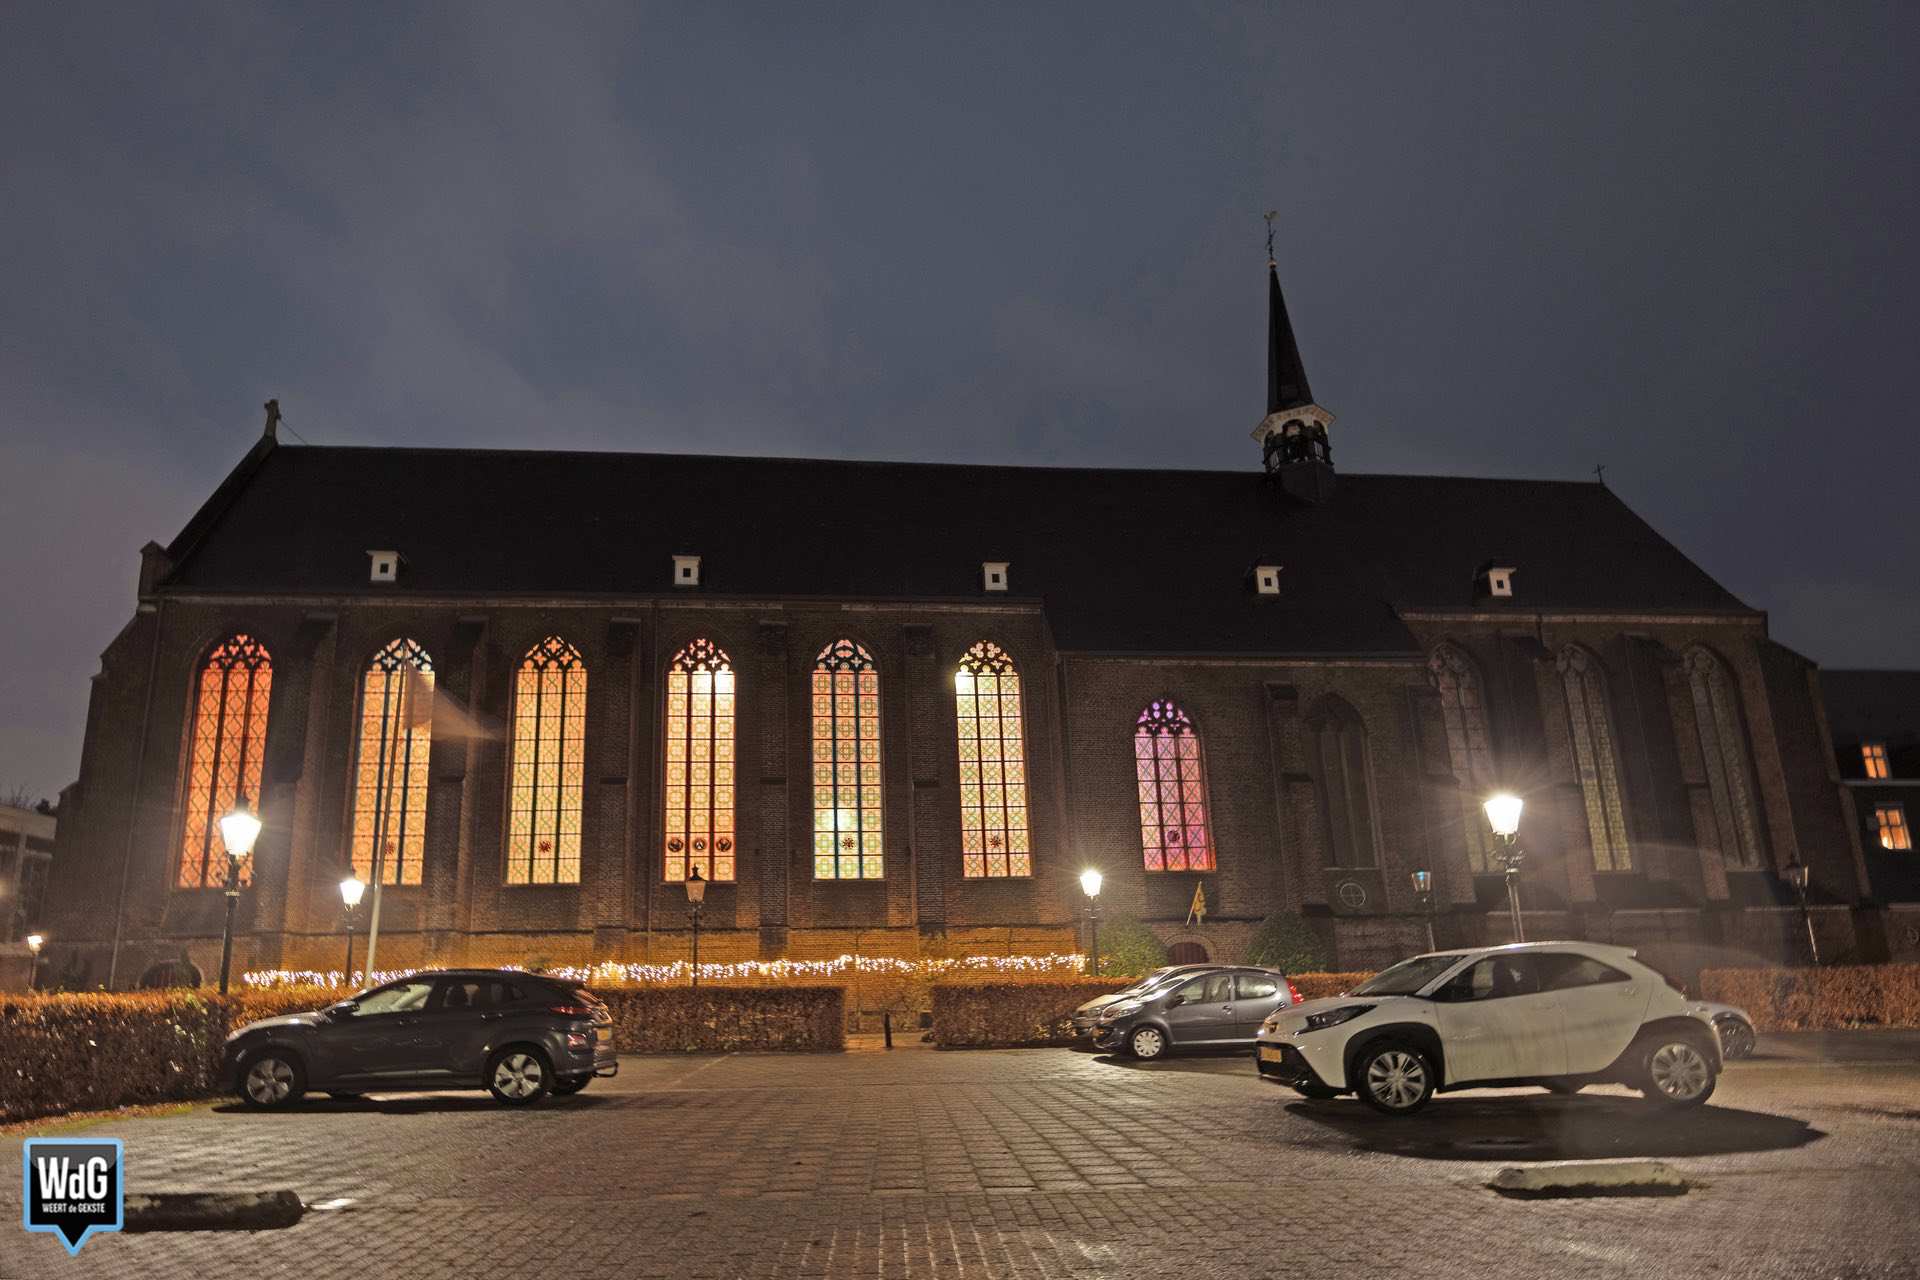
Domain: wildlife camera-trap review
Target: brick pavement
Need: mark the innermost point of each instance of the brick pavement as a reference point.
(1030, 1163)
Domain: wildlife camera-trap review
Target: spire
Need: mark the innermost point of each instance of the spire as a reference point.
(1293, 435)
(1286, 376)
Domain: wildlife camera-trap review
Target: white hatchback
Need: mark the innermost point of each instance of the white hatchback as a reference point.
(1561, 1015)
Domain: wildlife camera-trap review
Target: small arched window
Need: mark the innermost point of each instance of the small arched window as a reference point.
(390, 765)
(225, 749)
(549, 765)
(993, 765)
(846, 765)
(1463, 709)
(1342, 774)
(1172, 775)
(1591, 728)
(699, 827)
(1724, 752)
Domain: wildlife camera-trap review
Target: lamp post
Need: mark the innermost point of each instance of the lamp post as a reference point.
(35, 941)
(696, 895)
(1503, 815)
(351, 890)
(238, 830)
(1090, 885)
(1797, 877)
(1423, 893)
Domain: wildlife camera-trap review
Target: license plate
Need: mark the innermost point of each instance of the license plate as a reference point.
(1269, 1054)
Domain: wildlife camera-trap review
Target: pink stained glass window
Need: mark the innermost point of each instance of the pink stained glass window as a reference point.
(993, 766)
(846, 765)
(390, 765)
(700, 766)
(225, 749)
(549, 750)
(1172, 774)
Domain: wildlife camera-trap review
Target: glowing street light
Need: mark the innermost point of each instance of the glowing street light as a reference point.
(1090, 885)
(238, 830)
(1503, 815)
(696, 898)
(35, 941)
(352, 889)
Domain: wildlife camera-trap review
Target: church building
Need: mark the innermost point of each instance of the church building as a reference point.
(898, 708)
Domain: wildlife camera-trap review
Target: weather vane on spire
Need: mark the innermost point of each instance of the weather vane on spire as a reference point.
(1271, 214)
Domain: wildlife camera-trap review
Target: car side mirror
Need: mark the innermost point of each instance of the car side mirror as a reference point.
(1174, 1002)
(344, 1009)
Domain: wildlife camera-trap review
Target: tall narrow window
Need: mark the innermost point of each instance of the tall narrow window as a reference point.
(549, 749)
(1463, 709)
(1173, 790)
(390, 765)
(1591, 729)
(699, 763)
(1873, 755)
(1342, 776)
(846, 765)
(1891, 820)
(224, 753)
(1723, 750)
(993, 765)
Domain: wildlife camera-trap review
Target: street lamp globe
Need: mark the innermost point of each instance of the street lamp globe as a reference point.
(240, 828)
(1797, 874)
(1503, 813)
(352, 889)
(1090, 882)
(35, 941)
(1423, 882)
(696, 887)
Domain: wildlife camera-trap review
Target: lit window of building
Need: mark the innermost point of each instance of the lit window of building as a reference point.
(1891, 819)
(549, 746)
(699, 800)
(846, 765)
(1874, 756)
(1173, 791)
(993, 765)
(390, 765)
(225, 749)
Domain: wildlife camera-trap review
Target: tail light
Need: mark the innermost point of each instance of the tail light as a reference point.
(1293, 992)
(570, 1010)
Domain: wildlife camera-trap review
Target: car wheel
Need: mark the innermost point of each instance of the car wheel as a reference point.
(1147, 1043)
(272, 1078)
(1676, 1070)
(571, 1084)
(519, 1075)
(1562, 1084)
(1394, 1077)
(1736, 1038)
(1318, 1092)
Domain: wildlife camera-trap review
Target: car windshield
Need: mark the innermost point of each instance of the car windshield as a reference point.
(1407, 977)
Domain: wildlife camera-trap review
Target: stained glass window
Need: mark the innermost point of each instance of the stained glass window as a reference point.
(1723, 751)
(1591, 729)
(224, 754)
(390, 765)
(1891, 819)
(1463, 710)
(993, 765)
(1173, 790)
(549, 750)
(846, 765)
(1873, 757)
(700, 763)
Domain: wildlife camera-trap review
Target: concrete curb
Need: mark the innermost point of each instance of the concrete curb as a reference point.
(213, 1211)
(1585, 1178)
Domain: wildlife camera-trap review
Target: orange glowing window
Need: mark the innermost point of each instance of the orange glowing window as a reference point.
(1173, 791)
(1892, 821)
(224, 752)
(549, 746)
(846, 765)
(1874, 756)
(699, 763)
(390, 765)
(993, 765)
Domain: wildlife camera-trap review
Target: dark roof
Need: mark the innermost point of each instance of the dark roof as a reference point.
(1124, 560)
(1882, 706)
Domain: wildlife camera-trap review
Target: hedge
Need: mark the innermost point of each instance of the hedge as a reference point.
(1882, 995)
(1317, 986)
(726, 1019)
(993, 1015)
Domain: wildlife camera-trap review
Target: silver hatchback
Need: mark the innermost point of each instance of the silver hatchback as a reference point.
(1220, 1007)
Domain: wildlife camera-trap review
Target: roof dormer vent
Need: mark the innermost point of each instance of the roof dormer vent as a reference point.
(686, 571)
(993, 575)
(1494, 581)
(1266, 579)
(383, 566)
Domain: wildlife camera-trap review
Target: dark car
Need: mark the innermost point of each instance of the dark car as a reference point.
(518, 1035)
(1220, 1007)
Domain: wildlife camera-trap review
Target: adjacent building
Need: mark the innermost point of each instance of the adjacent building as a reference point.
(1875, 716)
(26, 857)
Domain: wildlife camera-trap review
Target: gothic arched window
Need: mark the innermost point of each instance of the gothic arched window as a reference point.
(225, 748)
(1724, 753)
(390, 765)
(699, 763)
(1463, 709)
(1591, 728)
(1342, 774)
(846, 764)
(993, 765)
(1173, 790)
(549, 750)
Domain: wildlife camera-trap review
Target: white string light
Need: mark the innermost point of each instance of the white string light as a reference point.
(738, 971)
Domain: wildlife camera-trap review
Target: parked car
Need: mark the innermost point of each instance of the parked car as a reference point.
(1734, 1026)
(1085, 1017)
(1557, 1014)
(518, 1035)
(1218, 1006)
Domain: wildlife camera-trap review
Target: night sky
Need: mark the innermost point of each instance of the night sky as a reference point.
(1679, 240)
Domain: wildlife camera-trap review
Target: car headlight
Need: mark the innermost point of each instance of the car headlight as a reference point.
(1334, 1017)
(1121, 1010)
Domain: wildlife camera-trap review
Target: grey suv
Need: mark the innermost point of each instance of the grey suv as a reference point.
(1216, 1008)
(519, 1035)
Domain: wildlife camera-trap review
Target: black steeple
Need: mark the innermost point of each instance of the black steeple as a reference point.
(1286, 377)
(1293, 435)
